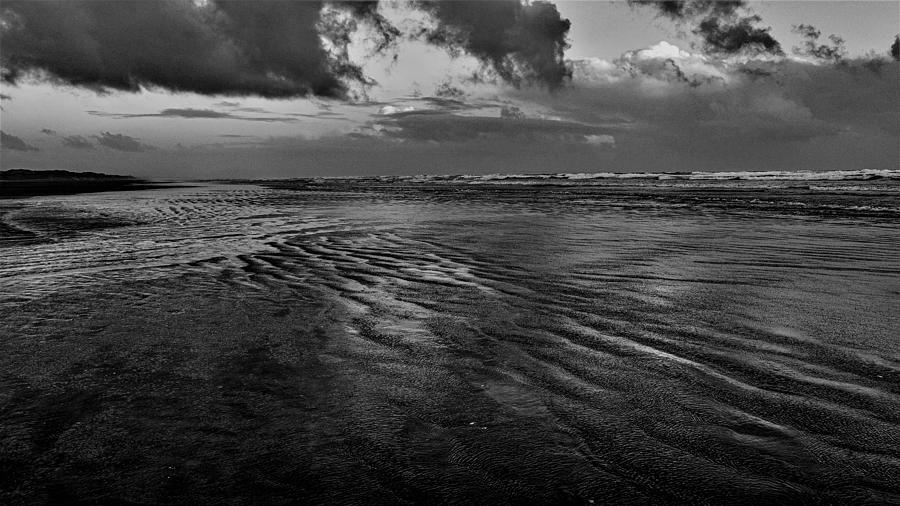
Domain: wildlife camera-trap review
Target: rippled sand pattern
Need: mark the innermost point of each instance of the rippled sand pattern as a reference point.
(440, 344)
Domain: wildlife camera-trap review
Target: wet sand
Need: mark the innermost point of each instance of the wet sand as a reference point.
(327, 341)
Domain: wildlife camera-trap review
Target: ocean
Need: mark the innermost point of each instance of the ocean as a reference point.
(504, 339)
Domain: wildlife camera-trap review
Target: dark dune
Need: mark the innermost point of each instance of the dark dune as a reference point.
(17, 183)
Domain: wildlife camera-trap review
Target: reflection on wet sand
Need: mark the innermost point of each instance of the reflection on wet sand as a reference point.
(445, 344)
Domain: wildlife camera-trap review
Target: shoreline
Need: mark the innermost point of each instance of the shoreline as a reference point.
(24, 183)
(31, 188)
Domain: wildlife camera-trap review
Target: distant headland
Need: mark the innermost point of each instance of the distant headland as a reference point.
(16, 183)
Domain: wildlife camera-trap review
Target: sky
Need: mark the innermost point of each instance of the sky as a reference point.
(199, 89)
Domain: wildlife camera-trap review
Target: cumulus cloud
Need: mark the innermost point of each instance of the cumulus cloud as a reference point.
(272, 49)
(522, 42)
(77, 142)
(727, 36)
(719, 23)
(677, 9)
(811, 47)
(269, 49)
(692, 110)
(664, 82)
(9, 141)
(668, 62)
(121, 142)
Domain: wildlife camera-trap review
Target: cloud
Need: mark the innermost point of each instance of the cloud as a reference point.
(79, 142)
(599, 140)
(511, 112)
(811, 47)
(670, 109)
(657, 85)
(121, 142)
(733, 36)
(678, 9)
(521, 42)
(48, 131)
(271, 49)
(8, 141)
(4, 96)
(720, 25)
(437, 126)
(391, 109)
(189, 113)
(268, 49)
(667, 62)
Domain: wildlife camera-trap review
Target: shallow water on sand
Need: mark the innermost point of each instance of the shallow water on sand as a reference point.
(397, 341)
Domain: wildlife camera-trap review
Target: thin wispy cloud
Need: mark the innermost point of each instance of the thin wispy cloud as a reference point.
(11, 142)
(78, 142)
(189, 113)
(122, 142)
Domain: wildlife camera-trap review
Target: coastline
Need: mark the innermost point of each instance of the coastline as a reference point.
(21, 183)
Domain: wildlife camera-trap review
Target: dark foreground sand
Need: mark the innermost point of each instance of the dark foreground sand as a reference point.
(425, 345)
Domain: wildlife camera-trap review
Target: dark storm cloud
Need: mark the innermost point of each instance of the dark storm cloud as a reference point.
(269, 49)
(521, 42)
(680, 9)
(721, 26)
(8, 141)
(121, 142)
(726, 36)
(811, 47)
(77, 142)
(367, 10)
(48, 131)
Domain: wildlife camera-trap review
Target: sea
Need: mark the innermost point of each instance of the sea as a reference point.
(713, 338)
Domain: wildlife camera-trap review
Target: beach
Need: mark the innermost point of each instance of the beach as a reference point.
(491, 340)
